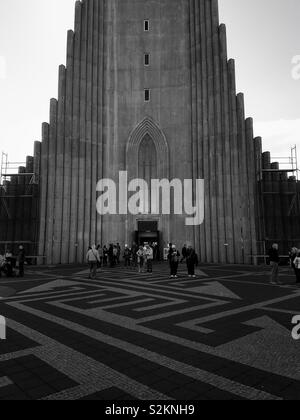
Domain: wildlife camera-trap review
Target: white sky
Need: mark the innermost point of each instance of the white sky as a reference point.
(263, 37)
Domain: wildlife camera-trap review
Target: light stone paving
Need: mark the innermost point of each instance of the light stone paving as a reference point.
(196, 319)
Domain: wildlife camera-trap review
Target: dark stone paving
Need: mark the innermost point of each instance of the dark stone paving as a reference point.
(125, 336)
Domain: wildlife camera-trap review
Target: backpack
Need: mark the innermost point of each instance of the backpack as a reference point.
(175, 257)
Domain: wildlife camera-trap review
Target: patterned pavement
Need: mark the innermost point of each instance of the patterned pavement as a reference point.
(127, 336)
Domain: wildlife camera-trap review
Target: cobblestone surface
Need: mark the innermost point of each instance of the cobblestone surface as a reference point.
(224, 335)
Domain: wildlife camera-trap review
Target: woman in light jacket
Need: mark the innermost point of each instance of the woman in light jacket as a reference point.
(93, 259)
(297, 266)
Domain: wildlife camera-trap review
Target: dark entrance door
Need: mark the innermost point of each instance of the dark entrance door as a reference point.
(147, 233)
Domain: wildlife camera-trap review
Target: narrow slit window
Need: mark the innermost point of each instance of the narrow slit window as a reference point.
(146, 25)
(147, 95)
(147, 59)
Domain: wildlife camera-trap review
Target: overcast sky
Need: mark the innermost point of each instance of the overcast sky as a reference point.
(263, 37)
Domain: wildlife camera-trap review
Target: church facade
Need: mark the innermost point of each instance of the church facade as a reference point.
(148, 89)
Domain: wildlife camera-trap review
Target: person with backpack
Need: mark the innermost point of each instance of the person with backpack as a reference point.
(297, 267)
(93, 259)
(191, 262)
(173, 257)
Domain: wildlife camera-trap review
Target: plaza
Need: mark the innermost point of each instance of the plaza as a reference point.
(129, 336)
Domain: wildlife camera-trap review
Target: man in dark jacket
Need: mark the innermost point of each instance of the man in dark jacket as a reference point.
(184, 253)
(191, 262)
(21, 261)
(173, 258)
(274, 262)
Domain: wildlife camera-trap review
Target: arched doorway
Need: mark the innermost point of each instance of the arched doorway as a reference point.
(147, 157)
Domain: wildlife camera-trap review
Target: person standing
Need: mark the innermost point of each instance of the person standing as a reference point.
(293, 255)
(105, 256)
(9, 263)
(118, 256)
(297, 267)
(127, 256)
(134, 251)
(141, 259)
(274, 262)
(149, 257)
(174, 256)
(2, 263)
(93, 259)
(184, 253)
(21, 261)
(100, 253)
(191, 261)
(111, 256)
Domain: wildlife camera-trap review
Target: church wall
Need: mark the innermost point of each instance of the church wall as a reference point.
(194, 112)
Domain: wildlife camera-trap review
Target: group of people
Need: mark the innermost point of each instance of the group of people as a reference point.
(136, 257)
(10, 265)
(140, 258)
(274, 258)
(188, 255)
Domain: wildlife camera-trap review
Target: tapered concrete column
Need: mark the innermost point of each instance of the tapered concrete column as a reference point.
(88, 211)
(212, 137)
(44, 189)
(219, 133)
(259, 191)
(227, 167)
(200, 231)
(252, 182)
(51, 180)
(235, 163)
(75, 136)
(67, 178)
(219, 139)
(205, 133)
(100, 103)
(59, 173)
(36, 200)
(243, 196)
(82, 130)
(37, 161)
(194, 147)
(94, 123)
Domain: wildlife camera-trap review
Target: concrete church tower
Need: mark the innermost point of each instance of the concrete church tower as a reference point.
(148, 88)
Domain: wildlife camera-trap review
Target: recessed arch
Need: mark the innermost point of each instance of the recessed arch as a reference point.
(137, 136)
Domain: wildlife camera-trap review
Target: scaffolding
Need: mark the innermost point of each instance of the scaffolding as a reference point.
(18, 189)
(288, 165)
